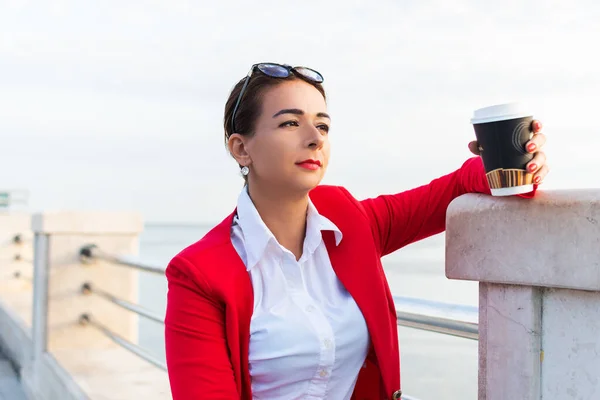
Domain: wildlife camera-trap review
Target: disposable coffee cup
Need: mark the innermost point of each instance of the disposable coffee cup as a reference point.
(502, 132)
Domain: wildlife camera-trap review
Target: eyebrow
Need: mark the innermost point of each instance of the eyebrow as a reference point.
(297, 111)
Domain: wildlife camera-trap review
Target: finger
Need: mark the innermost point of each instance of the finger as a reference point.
(537, 162)
(536, 126)
(474, 148)
(536, 143)
(539, 177)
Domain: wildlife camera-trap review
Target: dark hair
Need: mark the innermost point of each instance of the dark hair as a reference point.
(251, 105)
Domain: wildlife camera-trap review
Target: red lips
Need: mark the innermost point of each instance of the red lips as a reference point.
(312, 165)
(317, 162)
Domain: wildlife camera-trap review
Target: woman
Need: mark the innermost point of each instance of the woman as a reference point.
(286, 298)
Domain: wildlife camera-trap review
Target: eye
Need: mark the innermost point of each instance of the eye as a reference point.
(323, 127)
(288, 123)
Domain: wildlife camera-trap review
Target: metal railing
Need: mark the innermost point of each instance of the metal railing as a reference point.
(450, 319)
(439, 317)
(87, 288)
(86, 319)
(433, 316)
(91, 252)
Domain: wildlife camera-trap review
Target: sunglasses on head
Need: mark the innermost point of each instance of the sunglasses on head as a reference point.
(275, 71)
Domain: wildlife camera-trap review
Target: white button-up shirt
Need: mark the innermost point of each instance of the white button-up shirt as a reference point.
(308, 338)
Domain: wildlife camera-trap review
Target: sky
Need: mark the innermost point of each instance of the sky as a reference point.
(117, 105)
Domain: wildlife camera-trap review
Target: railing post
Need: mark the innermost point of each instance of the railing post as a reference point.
(538, 264)
(39, 324)
(86, 354)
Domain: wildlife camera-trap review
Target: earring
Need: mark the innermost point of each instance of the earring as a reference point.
(245, 171)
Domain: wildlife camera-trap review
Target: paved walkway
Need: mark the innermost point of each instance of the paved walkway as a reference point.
(10, 387)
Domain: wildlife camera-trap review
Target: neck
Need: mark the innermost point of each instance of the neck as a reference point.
(285, 216)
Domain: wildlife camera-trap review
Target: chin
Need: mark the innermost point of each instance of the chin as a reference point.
(306, 184)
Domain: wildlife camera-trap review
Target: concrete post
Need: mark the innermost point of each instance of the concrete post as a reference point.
(114, 233)
(538, 264)
(84, 352)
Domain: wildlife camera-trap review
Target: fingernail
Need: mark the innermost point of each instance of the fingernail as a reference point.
(531, 147)
(532, 167)
(537, 179)
(537, 126)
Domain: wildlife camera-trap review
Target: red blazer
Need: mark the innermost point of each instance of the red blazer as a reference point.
(210, 297)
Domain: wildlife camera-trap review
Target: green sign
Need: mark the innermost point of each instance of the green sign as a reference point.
(4, 199)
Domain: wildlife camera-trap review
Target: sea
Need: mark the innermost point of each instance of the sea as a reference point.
(433, 366)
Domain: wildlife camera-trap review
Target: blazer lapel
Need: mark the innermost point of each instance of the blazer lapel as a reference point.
(358, 268)
(238, 285)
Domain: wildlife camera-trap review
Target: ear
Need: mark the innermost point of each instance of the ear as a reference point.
(237, 145)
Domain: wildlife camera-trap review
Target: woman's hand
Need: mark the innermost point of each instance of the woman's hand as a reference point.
(537, 165)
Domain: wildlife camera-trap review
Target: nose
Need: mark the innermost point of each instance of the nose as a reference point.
(316, 138)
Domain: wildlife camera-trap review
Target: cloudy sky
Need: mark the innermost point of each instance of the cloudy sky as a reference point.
(117, 105)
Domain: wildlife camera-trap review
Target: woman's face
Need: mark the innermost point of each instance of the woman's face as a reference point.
(289, 151)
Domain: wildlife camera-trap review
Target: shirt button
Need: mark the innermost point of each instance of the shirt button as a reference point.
(311, 309)
(328, 343)
(323, 373)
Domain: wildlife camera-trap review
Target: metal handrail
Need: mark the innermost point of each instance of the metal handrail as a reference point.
(86, 319)
(91, 252)
(87, 288)
(451, 319)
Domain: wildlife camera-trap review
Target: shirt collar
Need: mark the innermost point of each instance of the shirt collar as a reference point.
(315, 223)
(257, 236)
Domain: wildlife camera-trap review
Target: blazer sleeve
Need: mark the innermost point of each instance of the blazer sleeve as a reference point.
(400, 219)
(195, 343)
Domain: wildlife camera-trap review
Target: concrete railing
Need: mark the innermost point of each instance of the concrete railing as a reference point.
(538, 264)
